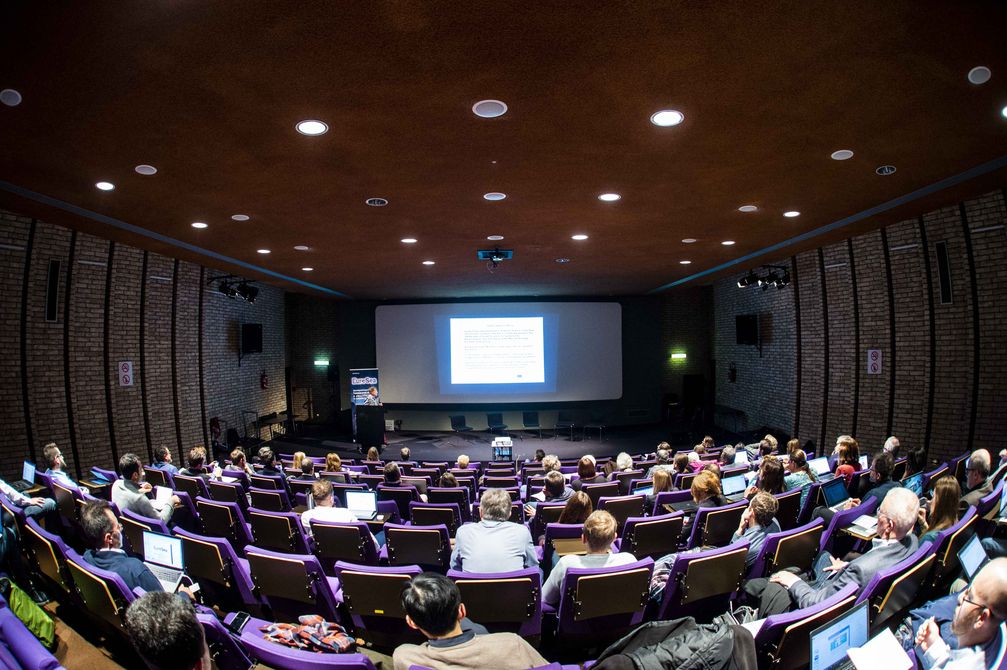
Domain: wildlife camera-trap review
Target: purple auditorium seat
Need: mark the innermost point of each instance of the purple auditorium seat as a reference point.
(545, 514)
(226, 652)
(436, 514)
(103, 593)
(222, 574)
(158, 477)
(194, 486)
(133, 526)
(293, 584)
(282, 657)
(402, 495)
(653, 536)
(503, 601)
(49, 552)
(892, 592)
(840, 520)
(187, 515)
(988, 508)
(561, 539)
(794, 548)
(103, 473)
(224, 519)
(371, 481)
(279, 531)
(957, 465)
(66, 503)
(372, 596)
(669, 498)
(596, 491)
(458, 495)
(789, 508)
(947, 544)
(714, 526)
(622, 507)
(19, 648)
(551, 666)
(783, 642)
(15, 511)
(275, 482)
(701, 584)
(429, 546)
(626, 480)
(349, 542)
(601, 604)
(811, 501)
(930, 478)
(239, 475)
(857, 480)
(228, 492)
(273, 500)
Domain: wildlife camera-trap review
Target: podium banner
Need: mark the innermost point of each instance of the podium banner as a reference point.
(363, 391)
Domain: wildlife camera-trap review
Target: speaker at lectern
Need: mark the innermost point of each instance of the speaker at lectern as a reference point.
(370, 426)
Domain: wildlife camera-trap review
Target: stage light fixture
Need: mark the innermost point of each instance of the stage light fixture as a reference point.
(228, 290)
(235, 287)
(247, 293)
(748, 280)
(776, 275)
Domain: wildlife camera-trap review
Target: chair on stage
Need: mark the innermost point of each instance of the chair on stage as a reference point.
(530, 422)
(565, 421)
(458, 424)
(494, 422)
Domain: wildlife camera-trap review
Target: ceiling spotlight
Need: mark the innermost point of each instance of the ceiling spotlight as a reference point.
(748, 279)
(10, 97)
(307, 269)
(105, 186)
(198, 224)
(689, 240)
(1003, 112)
(376, 202)
(685, 262)
(312, 127)
(769, 280)
(489, 109)
(429, 262)
(145, 170)
(747, 208)
(578, 237)
(667, 117)
(240, 217)
(562, 260)
(408, 240)
(494, 196)
(263, 251)
(842, 155)
(302, 247)
(247, 292)
(727, 243)
(494, 238)
(792, 214)
(979, 75)
(886, 170)
(609, 197)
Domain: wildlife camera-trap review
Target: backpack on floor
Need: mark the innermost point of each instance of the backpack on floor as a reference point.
(31, 615)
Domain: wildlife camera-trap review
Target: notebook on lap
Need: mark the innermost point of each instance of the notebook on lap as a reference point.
(829, 643)
(163, 555)
(363, 504)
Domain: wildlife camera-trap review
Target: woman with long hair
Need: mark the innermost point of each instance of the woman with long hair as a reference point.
(799, 474)
(943, 508)
(662, 482)
(373, 454)
(770, 478)
(578, 508)
(333, 463)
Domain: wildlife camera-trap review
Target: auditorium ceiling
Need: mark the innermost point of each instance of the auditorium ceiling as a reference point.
(209, 94)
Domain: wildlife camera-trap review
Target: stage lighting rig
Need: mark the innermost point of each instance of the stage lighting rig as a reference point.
(234, 287)
(776, 275)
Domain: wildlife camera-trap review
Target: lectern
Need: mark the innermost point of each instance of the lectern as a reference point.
(370, 426)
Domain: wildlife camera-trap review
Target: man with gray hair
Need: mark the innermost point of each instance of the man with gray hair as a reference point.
(494, 544)
(977, 478)
(894, 542)
(664, 462)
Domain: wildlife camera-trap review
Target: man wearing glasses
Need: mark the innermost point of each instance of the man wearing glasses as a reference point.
(978, 625)
(977, 479)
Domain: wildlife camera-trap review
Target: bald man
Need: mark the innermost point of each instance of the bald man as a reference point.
(978, 625)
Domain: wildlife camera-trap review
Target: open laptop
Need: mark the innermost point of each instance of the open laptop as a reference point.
(820, 466)
(864, 464)
(643, 489)
(829, 643)
(163, 555)
(835, 493)
(363, 504)
(973, 557)
(734, 487)
(27, 478)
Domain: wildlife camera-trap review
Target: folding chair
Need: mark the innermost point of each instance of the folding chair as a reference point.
(503, 602)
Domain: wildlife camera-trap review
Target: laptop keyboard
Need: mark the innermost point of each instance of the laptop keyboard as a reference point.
(163, 573)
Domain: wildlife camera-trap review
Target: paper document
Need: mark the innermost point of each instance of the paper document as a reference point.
(162, 497)
(882, 651)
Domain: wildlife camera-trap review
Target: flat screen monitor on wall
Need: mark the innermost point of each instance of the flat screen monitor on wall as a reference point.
(499, 352)
(747, 328)
(251, 338)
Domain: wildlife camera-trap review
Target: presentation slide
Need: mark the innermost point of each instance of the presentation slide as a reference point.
(499, 352)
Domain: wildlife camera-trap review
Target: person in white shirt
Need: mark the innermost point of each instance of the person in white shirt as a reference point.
(599, 534)
(325, 509)
(130, 492)
(978, 624)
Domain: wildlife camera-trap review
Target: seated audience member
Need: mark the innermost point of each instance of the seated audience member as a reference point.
(599, 534)
(762, 448)
(664, 462)
(56, 465)
(195, 464)
(433, 606)
(707, 443)
(162, 460)
(662, 484)
(554, 489)
(495, 543)
(393, 477)
(539, 455)
(373, 455)
(623, 463)
(712, 467)
(916, 463)
(799, 475)
(462, 462)
(769, 478)
(166, 633)
(578, 508)
(550, 463)
(305, 471)
(404, 454)
(792, 446)
(977, 625)
(895, 541)
(587, 473)
(239, 461)
(834, 456)
(130, 491)
(296, 460)
(977, 479)
(325, 509)
(447, 481)
(847, 459)
(705, 493)
(943, 512)
(680, 466)
(892, 446)
(758, 521)
(103, 532)
(881, 477)
(268, 461)
(333, 463)
(36, 507)
(727, 455)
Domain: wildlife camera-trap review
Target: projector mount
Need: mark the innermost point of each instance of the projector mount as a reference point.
(494, 257)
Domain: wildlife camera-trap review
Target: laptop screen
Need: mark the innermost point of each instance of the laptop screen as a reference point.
(741, 458)
(28, 472)
(362, 501)
(972, 557)
(645, 490)
(829, 643)
(162, 550)
(1003, 501)
(820, 466)
(734, 485)
(835, 491)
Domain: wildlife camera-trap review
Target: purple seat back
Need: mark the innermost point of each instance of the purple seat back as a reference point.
(784, 639)
(604, 608)
(283, 657)
(766, 561)
(224, 519)
(929, 478)
(292, 584)
(789, 508)
(810, 502)
(459, 495)
(330, 543)
(445, 510)
(281, 531)
(274, 500)
(133, 526)
(104, 473)
(24, 647)
(669, 498)
(49, 552)
(227, 652)
(402, 495)
(844, 518)
(893, 590)
(372, 595)
(213, 562)
(192, 485)
(946, 546)
(559, 531)
(104, 593)
(503, 601)
(702, 533)
(701, 584)
(267, 482)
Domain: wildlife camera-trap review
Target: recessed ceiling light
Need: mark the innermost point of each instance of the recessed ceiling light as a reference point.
(302, 247)
(312, 127)
(263, 251)
(562, 260)
(307, 269)
(10, 97)
(727, 243)
(240, 217)
(685, 262)
(578, 237)
(408, 240)
(489, 109)
(145, 170)
(609, 197)
(198, 224)
(494, 238)
(667, 117)
(494, 196)
(376, 202)
(105, 186)
(979, 75)
(748, 208)
(1003, 112)
(429, 263)
(886, 170)
(689, 240)
(791, 214)
(842, 155)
